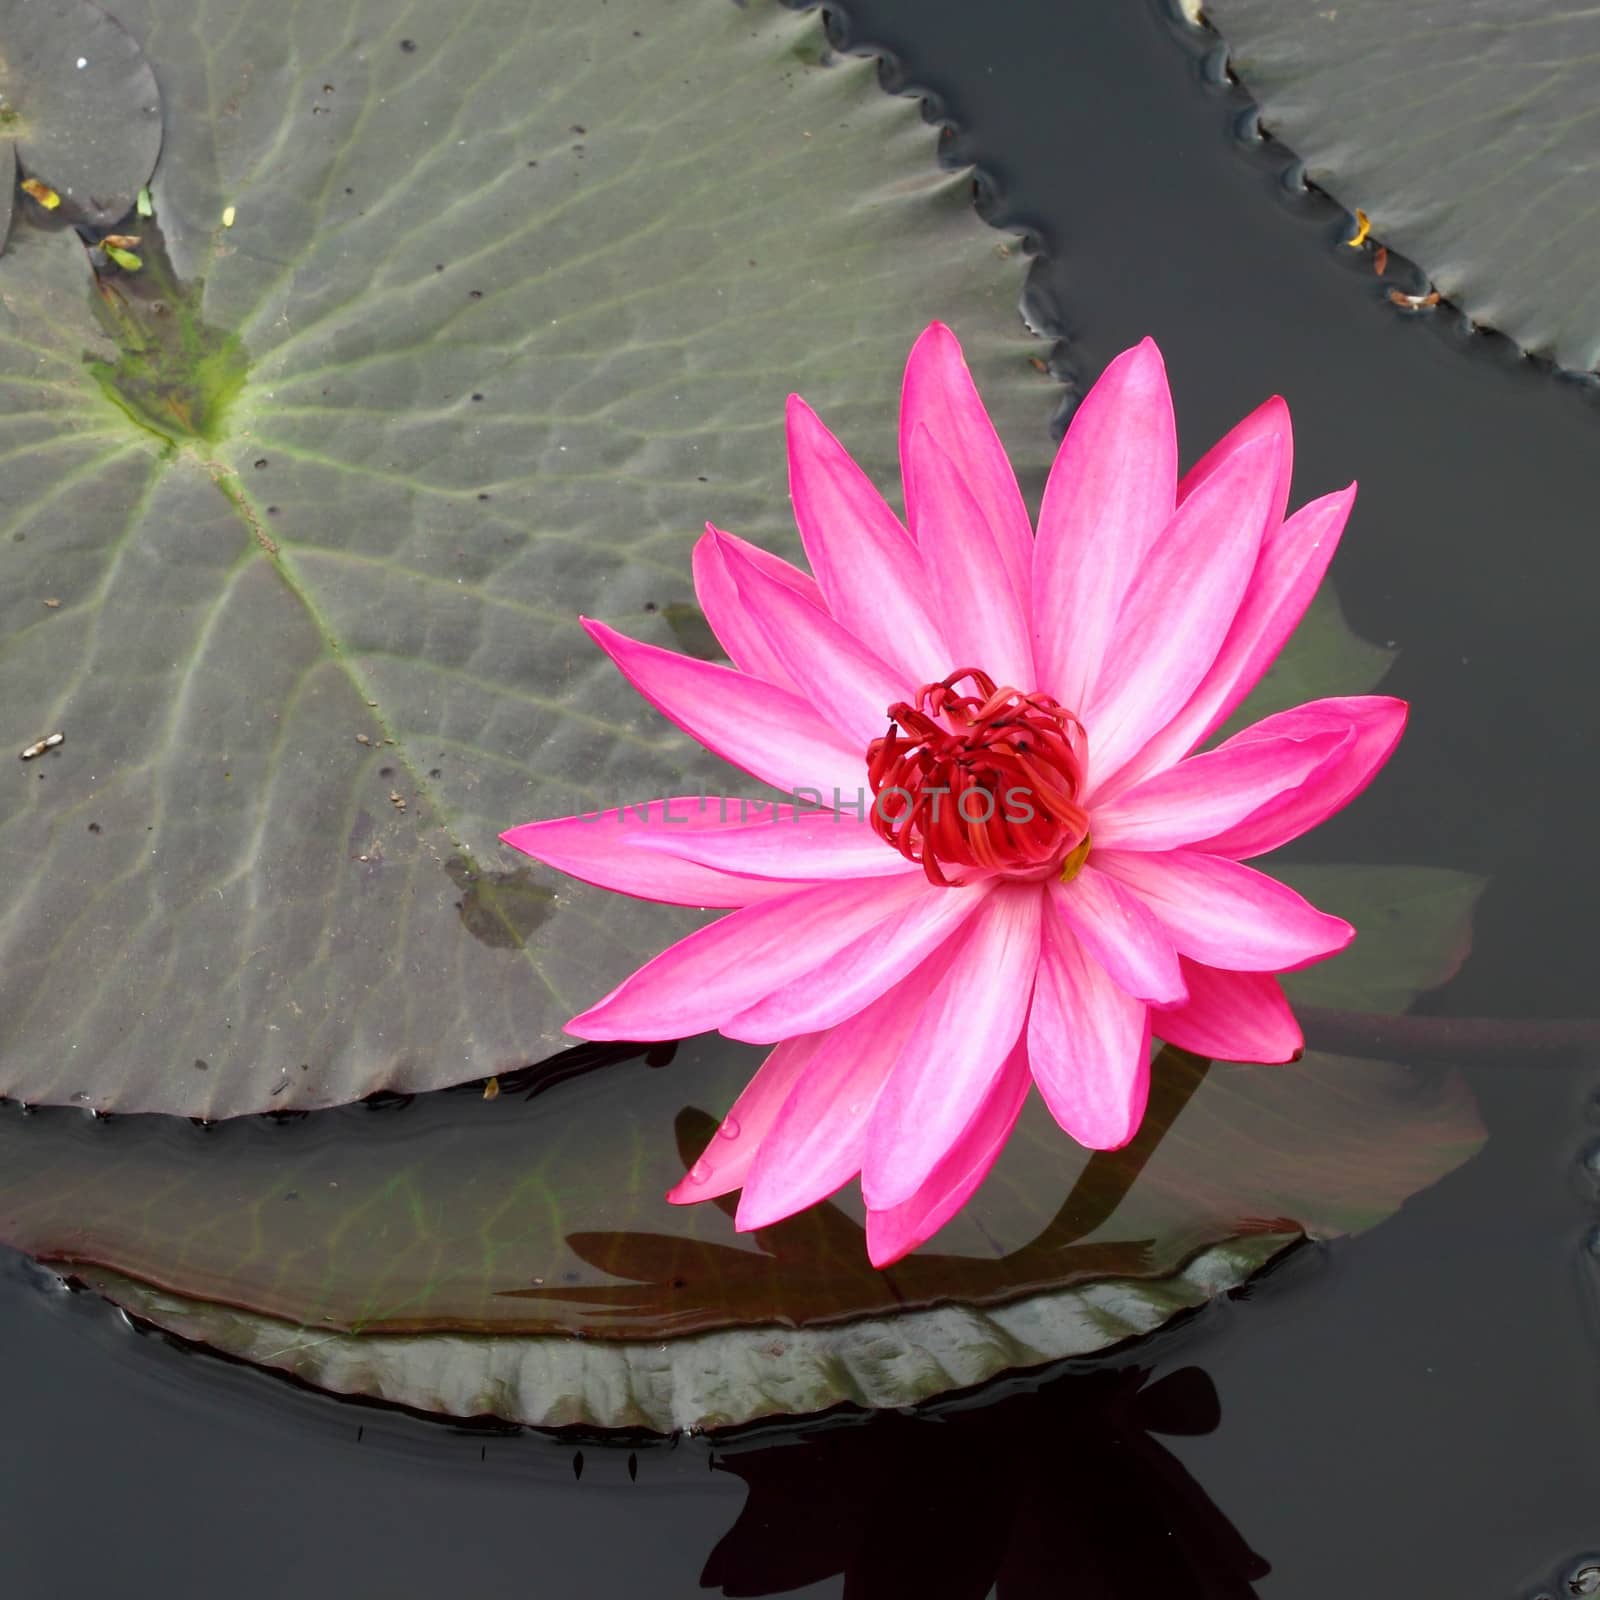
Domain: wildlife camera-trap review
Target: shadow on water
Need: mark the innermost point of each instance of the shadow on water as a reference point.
(1062, 1490)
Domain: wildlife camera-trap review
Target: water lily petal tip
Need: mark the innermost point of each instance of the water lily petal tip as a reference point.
(585, 1026)
(885, 1252)
(748, 1218)
(1107, 1142)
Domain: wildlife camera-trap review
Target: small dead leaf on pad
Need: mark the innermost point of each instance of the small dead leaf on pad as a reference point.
(42, 192)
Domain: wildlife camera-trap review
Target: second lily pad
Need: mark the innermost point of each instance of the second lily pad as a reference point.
(515, 1256)
(1467, 133)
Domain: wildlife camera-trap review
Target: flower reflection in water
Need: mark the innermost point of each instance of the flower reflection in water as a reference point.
(1060, 1492)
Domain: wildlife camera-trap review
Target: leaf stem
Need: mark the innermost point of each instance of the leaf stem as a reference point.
(1460, 1040)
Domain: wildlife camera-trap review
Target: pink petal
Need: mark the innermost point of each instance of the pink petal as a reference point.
(775, 567)
(1200, 797)
(1225, 914)
(848, 684)
(1372, 726)
(819, 1136)
(1179, 608)
(898, 1231)
(1120, 931)
(595, 849)
(720, 970)
(957, 1049)
(1294, 556)
(865, 561)
(1269, 420)
(984, 618)
(1088, 1043)
(795, 845)
(1110, 493)
(726, 1160)
(1231, 1016)
(774, 735)
(737, 632)
(939, 394)
(860, 972)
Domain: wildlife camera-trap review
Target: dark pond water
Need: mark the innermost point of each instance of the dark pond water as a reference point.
(1408, 1414)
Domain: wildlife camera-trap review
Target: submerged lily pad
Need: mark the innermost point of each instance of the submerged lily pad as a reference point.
(443, 1255)
(79, 107)
(1415, 931)
(1324, 657)
(444, 335)
(1466, 133)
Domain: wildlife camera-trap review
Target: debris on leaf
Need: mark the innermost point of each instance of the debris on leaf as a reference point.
(1363, 228)
(144, 204)
(491, 1089)
(39, 746)
(42, 192)
(125, 259)
(1380, 260)
(228, 214)
(122, 241)
(52, 604)
(1413, 302)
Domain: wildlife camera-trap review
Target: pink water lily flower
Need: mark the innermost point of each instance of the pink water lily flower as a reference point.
(999, 863)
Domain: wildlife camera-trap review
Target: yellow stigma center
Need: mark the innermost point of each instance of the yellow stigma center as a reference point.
(1073, 865)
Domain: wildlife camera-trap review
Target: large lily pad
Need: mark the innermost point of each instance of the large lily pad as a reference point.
(1465, 132)
(444, 334)
(443, 1255)
(79, 108)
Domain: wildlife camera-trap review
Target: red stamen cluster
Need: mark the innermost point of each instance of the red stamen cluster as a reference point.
(988, 780)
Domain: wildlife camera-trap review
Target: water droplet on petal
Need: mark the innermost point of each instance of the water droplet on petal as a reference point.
(730, 1128)
(699, 1172)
